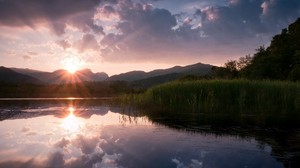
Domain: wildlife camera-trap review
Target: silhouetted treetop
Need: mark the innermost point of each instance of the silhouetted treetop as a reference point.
(280, 60)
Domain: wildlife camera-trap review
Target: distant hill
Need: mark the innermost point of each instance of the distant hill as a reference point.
(195, 69)
(63, 76)
(156, 80)
(9, 76)
(134, 78)
(128, 76)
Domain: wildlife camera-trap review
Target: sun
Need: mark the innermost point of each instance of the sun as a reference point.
(71, 68)
(71, 64)
(71, 122)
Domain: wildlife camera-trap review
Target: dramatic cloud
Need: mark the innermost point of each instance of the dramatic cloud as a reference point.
(55, 160)
(56, 13)
(233, 23)
(88, 42)
(148, 33)
(144, 31)
(62, 143)
(279, 13)
(86, 144)
(86, 161)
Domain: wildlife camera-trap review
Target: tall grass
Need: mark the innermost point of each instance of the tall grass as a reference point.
(223, 97)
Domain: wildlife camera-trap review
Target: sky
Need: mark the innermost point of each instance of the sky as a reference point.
(116, 36)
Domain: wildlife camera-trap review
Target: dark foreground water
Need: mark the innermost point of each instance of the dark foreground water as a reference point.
(87, 133)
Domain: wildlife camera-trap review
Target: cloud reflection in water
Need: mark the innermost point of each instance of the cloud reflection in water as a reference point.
(92, 137)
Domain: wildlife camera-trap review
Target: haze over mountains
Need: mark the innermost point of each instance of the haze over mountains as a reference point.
(10, 76)
(19, 75)
(63, 76)
(195, 69)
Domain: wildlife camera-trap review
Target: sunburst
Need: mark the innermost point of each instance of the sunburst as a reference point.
(71, 64)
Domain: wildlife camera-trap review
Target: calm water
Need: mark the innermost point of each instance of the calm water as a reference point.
(68, 133)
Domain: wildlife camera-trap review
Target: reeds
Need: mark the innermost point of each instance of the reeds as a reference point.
(222, 97)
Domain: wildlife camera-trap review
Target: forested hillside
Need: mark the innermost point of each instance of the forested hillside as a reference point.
(279, 61)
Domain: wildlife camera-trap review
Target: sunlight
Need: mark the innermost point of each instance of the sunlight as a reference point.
(71, 122)
(71, 64)
(71, 69)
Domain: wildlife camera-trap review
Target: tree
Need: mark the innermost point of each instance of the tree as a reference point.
(278, 61)
(231, 66)
(294, 75)
(244, 62)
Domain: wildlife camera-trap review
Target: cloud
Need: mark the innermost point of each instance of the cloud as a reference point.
(62, 143)
(18, 164)
(26, 57)
(85, 22)
(56, 13)
(86, 161)
(279, 13)
(63, 43)
(55, 159)
(193, 164)
(88, 42)
(31, 133)
(146, 33)
(32, 53)
(142, 29)
(89, 157)
(86, 144)
(62, 156)
(58, 27)
(233, 23)
(25, 129)
(29, 55)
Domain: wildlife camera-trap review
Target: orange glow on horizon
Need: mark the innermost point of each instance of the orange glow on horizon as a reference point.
(71, 64)
(71, 69)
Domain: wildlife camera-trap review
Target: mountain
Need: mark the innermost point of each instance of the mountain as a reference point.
(88, 75)
(128, 76)
(135, 78)
(156, 80)
(63, 76)
(9, 76)
(198, 69)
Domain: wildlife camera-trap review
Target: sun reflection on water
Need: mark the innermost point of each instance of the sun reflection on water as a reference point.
(71, 123)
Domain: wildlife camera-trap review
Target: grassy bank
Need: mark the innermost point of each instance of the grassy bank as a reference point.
(223, 97)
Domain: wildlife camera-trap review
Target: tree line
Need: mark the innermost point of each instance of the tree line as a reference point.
(279, 61)
(84, 89)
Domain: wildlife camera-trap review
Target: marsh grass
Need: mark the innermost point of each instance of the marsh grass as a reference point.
(242, 97)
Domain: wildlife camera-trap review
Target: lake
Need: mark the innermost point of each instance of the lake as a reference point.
(95, 133)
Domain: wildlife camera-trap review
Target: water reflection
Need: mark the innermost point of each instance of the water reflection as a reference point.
(75, 135)
(71, 123)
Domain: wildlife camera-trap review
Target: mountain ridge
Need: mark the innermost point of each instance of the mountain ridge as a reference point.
(193, 69)
(134, 78)
(63, 76)
(10, 76)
